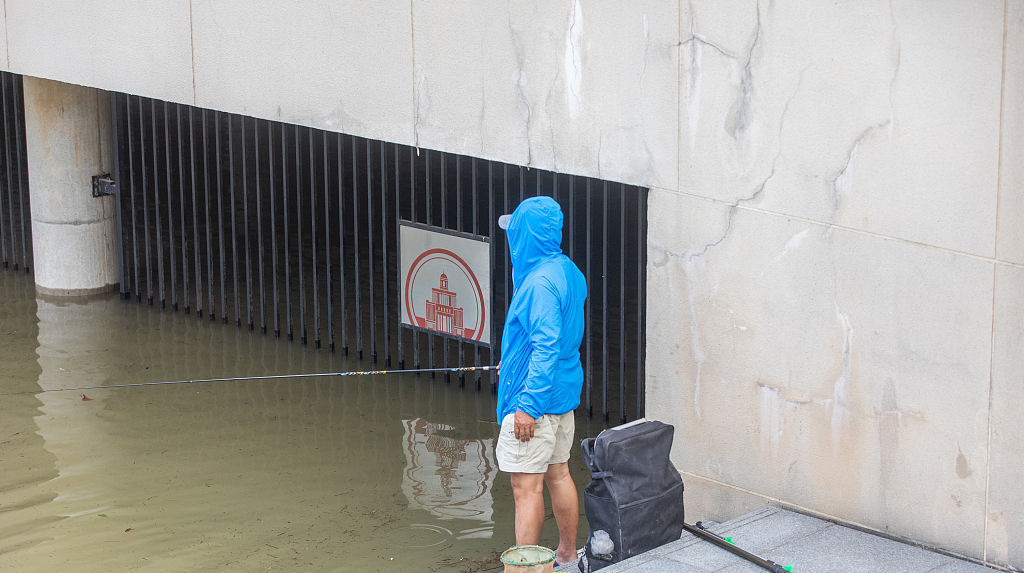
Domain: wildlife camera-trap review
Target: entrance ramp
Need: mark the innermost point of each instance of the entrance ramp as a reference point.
(807, 544)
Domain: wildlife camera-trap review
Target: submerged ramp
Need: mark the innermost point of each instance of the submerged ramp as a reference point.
(806, 543)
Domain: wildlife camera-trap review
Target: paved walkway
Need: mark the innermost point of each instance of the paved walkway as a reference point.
(808, 544)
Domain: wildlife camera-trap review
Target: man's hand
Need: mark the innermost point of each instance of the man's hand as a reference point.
(523, 426)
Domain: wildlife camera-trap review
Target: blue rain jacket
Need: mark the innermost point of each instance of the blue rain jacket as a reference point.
(540, 344)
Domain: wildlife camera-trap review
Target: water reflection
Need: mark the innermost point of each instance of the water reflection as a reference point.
(448, 477)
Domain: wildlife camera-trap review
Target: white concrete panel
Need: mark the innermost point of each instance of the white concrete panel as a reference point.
(831, 369)
(876, 116)
(577, 87)
(1010, 242)
(341, 66)
(1005, 517)
(4, 63)
(122, 45)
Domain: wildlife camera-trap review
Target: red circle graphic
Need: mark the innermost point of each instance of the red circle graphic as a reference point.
(445, 254)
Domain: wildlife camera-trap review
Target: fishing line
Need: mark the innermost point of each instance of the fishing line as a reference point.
(268, 377)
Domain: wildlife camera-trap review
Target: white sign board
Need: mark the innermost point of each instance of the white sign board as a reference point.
(446, 282)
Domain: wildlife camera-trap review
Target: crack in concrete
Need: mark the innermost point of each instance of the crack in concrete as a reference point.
(839, 388)
(698, 39)
(839, 179)
(897, 60)
(747, 82)
(647, 50)
(520, 83)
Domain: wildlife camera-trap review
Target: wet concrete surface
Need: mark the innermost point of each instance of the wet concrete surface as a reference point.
(381, 473)
(801, 542)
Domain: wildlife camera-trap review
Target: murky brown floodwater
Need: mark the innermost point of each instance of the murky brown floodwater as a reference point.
(325, 474)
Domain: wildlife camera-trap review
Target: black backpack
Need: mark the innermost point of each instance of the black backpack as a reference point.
(635, 493)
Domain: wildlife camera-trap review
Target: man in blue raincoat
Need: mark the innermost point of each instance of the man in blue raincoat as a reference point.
(540, 376)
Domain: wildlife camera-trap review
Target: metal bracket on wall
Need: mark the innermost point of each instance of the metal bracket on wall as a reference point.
(103, 185)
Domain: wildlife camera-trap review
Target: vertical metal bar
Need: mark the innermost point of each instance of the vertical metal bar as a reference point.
(18, 110)
(273, 224)
(115, 150)
(444, 225)
(327, 246)
(181, 201)
(384, 249)
(572, 216)
(195, 215)
(430, 336)
(641, 268)
(259, 227)
(509, 278)
(9, 169)
(522, 184)
(491, 219)
(589, 305)
(209, 229)
(341, 244)
(355, 247)
(604, 301)
(398, 246)
(286, 215)
(412, 217)
(156, 205)
(371, 313)
(476, 230)
(145, 204)
(131, 191)
(234, 223)
(170, 211)
(220, 214)
(622, 303)
(298, 214)
(245, 222)
(507, 208)
(459, 218)
(313, 238)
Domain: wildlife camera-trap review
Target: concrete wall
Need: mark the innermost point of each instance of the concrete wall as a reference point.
(836, 208)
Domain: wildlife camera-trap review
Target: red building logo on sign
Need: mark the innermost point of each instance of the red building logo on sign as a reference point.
(442, 314)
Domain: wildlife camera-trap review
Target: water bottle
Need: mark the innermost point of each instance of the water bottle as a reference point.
(601, 545)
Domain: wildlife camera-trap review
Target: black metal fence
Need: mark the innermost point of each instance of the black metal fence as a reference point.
(294, 231)
(15, 218)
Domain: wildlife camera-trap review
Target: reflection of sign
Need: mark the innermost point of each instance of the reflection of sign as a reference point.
(445, 282)
(448, 477)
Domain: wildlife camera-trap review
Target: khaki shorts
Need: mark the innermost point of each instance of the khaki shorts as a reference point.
(551, 443)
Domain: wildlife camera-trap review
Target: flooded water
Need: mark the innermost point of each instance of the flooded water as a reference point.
(369, 473)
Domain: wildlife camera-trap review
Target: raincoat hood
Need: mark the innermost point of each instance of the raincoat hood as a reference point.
(534, 235)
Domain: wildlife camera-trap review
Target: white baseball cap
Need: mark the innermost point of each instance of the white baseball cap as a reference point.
(504, 221)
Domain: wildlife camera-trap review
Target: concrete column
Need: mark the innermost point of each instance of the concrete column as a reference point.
(67, 132)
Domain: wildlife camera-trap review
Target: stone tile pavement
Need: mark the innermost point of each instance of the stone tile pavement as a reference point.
(808, 544)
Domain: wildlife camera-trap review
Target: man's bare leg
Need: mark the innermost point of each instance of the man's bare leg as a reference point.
(566, 506)
(528, 492)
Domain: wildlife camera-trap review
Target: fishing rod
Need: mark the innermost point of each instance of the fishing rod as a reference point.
(268, 377)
